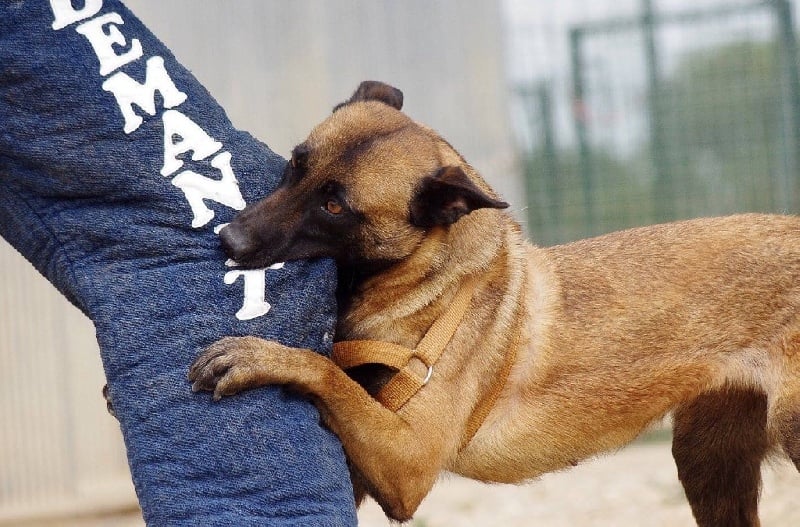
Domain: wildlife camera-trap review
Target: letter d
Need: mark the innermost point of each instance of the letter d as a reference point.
(65, 14)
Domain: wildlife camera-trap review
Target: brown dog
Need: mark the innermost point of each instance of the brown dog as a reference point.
(531, 358)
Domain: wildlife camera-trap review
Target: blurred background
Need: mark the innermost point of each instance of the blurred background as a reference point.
(587, 115)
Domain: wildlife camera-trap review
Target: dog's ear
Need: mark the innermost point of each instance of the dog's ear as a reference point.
(442, 199)
(376, 91)
(299, 156)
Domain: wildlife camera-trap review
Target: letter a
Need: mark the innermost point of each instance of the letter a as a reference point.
(192, 138)
(197, 188)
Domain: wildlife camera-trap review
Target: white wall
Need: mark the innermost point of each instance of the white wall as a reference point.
(278, 67)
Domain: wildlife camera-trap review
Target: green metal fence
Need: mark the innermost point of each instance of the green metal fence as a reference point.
(673, 114)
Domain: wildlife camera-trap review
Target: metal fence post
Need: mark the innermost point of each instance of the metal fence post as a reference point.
(790, 105)
(549, 156)
(663, 195)
(580, 117)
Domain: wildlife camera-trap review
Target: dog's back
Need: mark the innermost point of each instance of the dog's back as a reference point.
(700, 317)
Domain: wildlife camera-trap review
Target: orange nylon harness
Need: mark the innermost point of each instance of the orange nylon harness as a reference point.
(406, 382)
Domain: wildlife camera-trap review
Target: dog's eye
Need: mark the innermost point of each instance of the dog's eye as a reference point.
(334, 207)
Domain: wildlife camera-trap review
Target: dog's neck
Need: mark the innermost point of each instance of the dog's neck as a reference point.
(398, 304)
(351, 277)
(372, 299)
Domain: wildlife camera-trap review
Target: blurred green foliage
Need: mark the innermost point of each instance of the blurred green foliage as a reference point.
(723, 147)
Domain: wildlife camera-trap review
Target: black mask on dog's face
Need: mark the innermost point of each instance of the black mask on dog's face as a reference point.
(299, 220)
(364, 189)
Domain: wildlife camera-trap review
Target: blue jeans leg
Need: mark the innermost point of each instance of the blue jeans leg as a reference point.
(113, 190)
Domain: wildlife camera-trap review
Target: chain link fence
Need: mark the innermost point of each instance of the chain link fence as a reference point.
(672, 110)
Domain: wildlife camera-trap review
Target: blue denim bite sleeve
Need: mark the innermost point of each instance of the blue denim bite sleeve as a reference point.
(116, 166)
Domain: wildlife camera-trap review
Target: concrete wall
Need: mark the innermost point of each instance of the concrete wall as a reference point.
(278, 67)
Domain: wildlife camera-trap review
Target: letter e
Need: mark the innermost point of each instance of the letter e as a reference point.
(103, 43)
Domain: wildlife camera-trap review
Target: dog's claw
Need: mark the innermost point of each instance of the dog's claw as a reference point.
(109, 404)
(206, 380)
(223, 367)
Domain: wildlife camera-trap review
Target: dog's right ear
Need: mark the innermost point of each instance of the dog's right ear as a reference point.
(442, 199)
(375, 91)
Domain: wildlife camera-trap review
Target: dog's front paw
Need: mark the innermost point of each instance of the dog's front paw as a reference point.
(229, 366)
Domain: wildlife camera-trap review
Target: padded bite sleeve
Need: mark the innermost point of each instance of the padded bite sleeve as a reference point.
(115, 168)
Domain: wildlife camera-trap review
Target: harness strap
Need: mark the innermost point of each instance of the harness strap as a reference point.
(487, 403)
(407, 381)
(351, 353)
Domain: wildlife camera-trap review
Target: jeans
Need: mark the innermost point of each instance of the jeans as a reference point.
(116, 166)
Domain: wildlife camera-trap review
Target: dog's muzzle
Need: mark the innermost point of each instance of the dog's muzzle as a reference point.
(236, 242)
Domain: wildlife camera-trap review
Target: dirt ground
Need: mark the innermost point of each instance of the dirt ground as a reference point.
(636, 487)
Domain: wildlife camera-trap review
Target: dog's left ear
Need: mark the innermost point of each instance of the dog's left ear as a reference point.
(442, 199)
(376, 91)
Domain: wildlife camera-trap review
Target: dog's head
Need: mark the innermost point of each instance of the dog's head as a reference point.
(364, 188)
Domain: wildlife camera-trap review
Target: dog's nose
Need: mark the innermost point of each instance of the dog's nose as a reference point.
(236, 242)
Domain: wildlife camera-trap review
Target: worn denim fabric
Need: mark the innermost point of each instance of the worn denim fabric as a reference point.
(85, 203)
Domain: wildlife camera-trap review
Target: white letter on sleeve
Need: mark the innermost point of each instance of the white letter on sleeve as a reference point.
(103, 43)
(65, 14)
(192, 137)
(129, 92)
(255, 284)
(197, 188)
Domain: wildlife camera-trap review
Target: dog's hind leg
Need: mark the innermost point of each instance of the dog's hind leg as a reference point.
(785, 424)
(784, 411)
(719, 441)
(789, 436)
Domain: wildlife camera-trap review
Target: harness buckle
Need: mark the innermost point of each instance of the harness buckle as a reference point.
(427, 375)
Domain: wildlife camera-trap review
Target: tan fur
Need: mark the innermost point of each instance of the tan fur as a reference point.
(610, 334)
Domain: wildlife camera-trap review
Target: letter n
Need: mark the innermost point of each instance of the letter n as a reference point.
(197, 188)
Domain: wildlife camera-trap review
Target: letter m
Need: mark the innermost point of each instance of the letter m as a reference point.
(129, 92)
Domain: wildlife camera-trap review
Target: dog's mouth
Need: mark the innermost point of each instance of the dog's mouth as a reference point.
(249, 251)
(243, 249)
(235, 242)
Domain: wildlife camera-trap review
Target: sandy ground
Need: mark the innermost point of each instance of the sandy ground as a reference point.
(636, 487)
